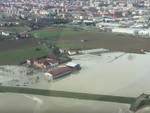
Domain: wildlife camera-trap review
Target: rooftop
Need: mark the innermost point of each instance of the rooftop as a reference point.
(59, 70)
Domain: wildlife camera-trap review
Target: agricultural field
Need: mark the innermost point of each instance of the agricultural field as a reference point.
(15, 57)
(55, 32)
(113, 42)
(80, 39)
(16, 51)
(53, 35)
(17, 44)
(16, 29)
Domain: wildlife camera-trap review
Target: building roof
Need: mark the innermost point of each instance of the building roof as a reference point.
(42, 61)
(52, 56)
(52, 61)
(71, 64)
(72, 51)
(31, 59)
(48, 61)
(64, 49)
(59, 70)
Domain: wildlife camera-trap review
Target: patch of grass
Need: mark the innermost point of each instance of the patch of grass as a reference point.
(71, 44)
(15, 57)
(16, 29)
(52, 36)
(56, 33)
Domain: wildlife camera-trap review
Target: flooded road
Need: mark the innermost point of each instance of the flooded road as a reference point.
(122, 74)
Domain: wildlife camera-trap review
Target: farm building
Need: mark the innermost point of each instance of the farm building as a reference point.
(5, 33)
(124, 30)
(52, 56)
(30, 61)
(68, 51)
(72, 52)
(144, 32)
(107, 25)
(49, 61)
(44, 63)
(59, 72)
(73, 65)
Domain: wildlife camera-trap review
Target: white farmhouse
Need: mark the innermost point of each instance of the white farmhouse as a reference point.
(5, 34)
(124, 30)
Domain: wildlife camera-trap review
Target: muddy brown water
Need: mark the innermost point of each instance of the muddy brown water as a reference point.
(127, 75)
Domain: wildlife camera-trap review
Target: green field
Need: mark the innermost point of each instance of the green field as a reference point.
(15, 57)
(72, 44)
(16, 29)
(50, 33)
(54, 35)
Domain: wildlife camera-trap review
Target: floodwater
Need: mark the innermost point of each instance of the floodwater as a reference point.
(122, 74)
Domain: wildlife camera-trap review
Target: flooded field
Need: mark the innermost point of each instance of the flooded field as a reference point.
(19, 76)
(111, 73)
(122, 74)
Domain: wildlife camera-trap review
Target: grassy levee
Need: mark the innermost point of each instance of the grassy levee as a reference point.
(66, 94)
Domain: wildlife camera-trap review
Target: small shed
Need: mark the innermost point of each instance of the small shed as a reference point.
(74, 65)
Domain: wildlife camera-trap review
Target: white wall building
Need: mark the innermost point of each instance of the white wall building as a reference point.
(105, 24)
(144, 32)
(5, 33)
(125, 30)
(43, 12)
